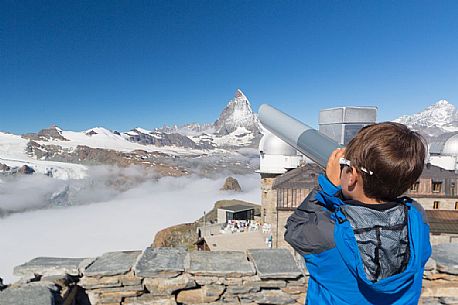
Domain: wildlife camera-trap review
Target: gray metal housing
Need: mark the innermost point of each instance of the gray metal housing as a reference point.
(342, 123)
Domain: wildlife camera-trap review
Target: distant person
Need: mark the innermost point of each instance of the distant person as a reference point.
(362, 242)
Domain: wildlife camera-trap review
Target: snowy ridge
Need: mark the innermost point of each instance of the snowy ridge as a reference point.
(438, 118)
(13, 153)
(191, 129)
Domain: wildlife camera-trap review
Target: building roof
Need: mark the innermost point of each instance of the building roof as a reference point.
(304, 177)
(435, 172)
(237, 208)
(443, 221)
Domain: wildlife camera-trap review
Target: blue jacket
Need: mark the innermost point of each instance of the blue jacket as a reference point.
(320, 230)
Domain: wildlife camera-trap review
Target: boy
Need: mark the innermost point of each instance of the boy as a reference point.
(362, 243)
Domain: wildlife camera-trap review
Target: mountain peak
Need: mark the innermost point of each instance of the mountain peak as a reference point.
(239, 95)
(237, 113)
(54, 126)
(433, 119)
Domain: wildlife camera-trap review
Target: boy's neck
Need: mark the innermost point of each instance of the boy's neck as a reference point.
(361, 197)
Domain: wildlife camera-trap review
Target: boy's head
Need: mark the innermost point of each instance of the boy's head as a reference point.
(392, 152)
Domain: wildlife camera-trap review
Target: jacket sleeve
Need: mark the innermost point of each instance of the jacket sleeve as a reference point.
(310, 229)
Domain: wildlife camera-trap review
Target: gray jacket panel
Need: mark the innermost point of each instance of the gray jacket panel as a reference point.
(382, 239)
(310, 229)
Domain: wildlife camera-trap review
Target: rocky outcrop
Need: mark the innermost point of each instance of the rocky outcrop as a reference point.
(26, 170)
(47, 134)
(231, 184)
(183, 235)
(4, 168)
(165, 139)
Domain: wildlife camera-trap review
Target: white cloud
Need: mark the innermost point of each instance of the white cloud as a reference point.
(127, 221)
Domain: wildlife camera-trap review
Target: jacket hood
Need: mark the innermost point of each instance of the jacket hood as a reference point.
(385, 290)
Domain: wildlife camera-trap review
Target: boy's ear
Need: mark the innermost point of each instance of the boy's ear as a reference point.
(352, 176)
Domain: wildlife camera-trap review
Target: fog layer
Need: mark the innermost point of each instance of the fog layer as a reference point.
(127, 220)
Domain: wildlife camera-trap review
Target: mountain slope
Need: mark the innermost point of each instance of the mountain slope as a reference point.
(436, 119)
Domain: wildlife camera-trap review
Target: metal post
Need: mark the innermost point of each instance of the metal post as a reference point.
(205, 224)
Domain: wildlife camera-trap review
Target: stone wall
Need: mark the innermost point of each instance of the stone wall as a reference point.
(269, 207)
(443, 238)
(282, 219)
(171, 276)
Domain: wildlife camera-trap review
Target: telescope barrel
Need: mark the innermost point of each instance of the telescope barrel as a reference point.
(302, 137)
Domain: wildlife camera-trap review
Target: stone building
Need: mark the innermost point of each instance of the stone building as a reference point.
(288, 191)
(276, 159)
(436, 189)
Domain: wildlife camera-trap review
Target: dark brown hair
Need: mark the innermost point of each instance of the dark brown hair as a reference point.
(394, 153)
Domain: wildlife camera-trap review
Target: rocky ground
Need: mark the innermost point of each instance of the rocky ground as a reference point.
(182, 235)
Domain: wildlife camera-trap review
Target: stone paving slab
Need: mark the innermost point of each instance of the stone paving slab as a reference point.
(274, 263)
(446, 257)
(219, 263)
(112, 263)
(52, 266)
(160, 262)
(27, 295)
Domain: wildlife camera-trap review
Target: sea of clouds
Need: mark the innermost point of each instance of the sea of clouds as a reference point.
(106, 213)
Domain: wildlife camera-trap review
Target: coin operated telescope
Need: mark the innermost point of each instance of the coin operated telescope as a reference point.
(307, 140)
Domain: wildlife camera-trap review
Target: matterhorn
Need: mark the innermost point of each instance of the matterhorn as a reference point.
(238, 113)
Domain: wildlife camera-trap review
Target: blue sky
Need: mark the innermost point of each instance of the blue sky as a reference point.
(123, 64)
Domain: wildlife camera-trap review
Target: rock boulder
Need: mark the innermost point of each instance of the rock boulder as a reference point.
(231, 184)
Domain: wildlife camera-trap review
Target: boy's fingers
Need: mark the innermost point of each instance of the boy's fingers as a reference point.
(340, 152)
(337, 153)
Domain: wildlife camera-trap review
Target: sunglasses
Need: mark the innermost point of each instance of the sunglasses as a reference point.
(344, 162)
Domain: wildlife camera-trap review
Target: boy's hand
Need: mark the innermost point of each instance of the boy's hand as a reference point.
(333, 166)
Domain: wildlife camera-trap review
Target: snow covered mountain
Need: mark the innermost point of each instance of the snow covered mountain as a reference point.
(436, 119)
(169, 150)
(238, 113)
(237, 126)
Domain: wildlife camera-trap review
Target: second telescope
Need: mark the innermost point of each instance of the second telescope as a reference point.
(307, 140)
